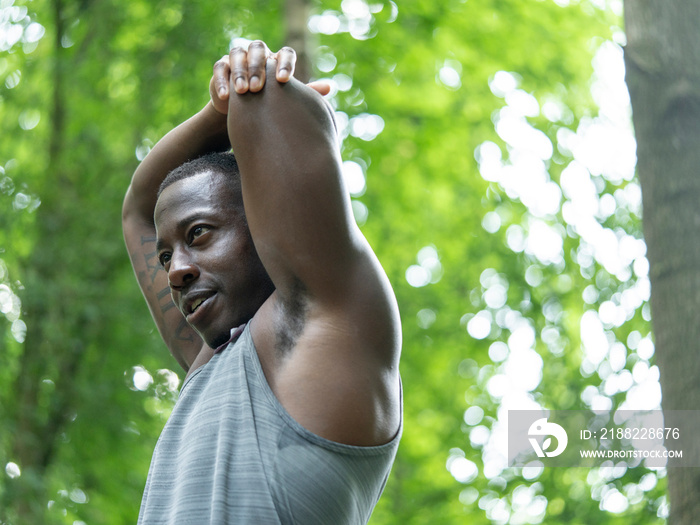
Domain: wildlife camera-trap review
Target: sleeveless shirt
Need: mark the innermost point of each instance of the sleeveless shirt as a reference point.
(231, 454)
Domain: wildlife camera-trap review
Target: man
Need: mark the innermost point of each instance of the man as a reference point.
(268, 295)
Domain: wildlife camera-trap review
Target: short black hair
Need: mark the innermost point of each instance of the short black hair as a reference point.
(223, 163)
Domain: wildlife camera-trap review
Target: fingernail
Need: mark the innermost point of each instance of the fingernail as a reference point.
(283, 74)
(222, 91)
(240, 85)
(254, 83)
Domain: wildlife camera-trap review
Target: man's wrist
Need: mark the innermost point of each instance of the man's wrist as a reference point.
(215, 124)
(214, 113)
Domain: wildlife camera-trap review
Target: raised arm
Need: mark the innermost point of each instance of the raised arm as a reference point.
(333, 318)
(203, 133)
(297, 208)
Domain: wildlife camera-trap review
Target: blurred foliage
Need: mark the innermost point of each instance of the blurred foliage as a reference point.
(87, 86)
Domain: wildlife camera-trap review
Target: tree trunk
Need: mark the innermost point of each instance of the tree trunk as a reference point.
(296, 15)
(663, 68)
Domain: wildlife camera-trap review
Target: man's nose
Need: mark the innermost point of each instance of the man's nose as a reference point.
(182, 272)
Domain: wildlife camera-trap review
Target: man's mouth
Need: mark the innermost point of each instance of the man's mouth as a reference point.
(193, 305)
(196, 304)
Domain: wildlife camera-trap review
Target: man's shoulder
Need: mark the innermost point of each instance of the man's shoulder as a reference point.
(340, 377)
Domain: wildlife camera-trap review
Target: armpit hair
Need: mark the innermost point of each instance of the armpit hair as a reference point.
(293, 312)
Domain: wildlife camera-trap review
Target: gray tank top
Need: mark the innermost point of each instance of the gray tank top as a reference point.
(231, 454)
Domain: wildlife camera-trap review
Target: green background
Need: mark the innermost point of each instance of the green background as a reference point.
(87, 86)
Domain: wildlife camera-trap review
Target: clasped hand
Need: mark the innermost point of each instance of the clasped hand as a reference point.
(245, 70)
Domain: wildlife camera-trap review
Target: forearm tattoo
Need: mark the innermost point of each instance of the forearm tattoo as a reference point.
(147, 278)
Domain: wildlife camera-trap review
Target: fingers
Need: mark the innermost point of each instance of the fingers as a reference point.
(218, 85)
(222, 71)
(257, 60)
(286, 60)
(320, 86)
(239, 69)
(248, 67)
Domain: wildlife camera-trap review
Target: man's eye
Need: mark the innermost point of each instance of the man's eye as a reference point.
(198, 230)
(164, 258)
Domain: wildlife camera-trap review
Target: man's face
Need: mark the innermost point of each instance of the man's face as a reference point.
(216, 278)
